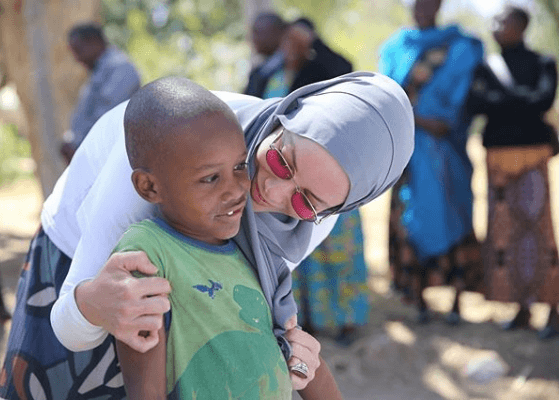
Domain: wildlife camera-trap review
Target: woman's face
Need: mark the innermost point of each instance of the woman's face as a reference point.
(316, 172)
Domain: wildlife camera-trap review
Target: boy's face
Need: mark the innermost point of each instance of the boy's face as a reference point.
(202, 179)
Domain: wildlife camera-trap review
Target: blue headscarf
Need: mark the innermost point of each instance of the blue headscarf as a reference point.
(365, 121)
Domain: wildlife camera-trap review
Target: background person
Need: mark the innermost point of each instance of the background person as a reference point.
(266, 76)
(294, 57)
(307, 58)
(514, 89)
(112, 79)
(431, 237)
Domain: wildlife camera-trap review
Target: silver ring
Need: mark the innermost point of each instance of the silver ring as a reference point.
(300, 370)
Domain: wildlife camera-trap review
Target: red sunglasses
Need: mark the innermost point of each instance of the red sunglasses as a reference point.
(280, 167)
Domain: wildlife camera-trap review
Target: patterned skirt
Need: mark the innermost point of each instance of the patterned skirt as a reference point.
(37, 366)
(330, 286)
(520, 253)
(460, 267)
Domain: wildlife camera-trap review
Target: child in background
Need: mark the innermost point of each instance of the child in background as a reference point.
(188, 156)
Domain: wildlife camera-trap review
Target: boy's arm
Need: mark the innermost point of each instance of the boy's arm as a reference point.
(144, 373)
(323, 386)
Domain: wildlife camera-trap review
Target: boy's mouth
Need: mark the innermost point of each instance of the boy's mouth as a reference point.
(236, 210)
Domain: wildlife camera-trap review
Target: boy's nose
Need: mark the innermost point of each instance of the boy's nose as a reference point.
(238, 188)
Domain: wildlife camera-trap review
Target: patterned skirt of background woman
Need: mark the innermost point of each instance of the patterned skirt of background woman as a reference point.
(461, 266)
(520, 253)
(330, 286)
(37, 366)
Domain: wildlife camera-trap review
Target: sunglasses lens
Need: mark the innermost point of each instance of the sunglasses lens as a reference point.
(301, 206)
(277, 164)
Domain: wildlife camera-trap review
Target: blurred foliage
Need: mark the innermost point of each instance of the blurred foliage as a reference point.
(15, 155)
(543, 29)
(201, 39)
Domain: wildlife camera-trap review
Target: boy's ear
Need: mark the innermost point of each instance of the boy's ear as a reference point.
(146, 185)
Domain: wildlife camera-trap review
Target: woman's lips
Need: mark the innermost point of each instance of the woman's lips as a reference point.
(256, 194)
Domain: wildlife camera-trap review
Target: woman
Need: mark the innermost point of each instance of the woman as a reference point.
(341, 122)
(431, 238)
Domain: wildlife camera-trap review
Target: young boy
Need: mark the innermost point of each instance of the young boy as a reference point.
(188, 156)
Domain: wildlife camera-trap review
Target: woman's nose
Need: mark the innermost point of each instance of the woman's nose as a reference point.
(277, 190)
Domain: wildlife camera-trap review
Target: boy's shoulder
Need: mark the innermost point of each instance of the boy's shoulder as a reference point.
(169, 249)
(143, 236)
(140, 231)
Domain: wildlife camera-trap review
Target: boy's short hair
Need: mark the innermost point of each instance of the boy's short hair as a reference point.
(159, 107)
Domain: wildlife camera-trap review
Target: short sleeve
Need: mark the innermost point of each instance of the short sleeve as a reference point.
(141, 238)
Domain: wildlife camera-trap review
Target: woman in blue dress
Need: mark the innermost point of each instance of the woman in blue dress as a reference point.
(431, 239)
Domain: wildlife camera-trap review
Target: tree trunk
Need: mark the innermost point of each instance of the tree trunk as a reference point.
(47, 79)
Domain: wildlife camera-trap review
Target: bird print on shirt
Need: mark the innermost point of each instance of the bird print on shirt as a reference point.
(211, 290)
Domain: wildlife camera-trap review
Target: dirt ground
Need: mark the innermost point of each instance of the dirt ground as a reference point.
(394, 358)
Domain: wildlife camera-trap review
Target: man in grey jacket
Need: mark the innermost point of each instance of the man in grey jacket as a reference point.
(113, 79)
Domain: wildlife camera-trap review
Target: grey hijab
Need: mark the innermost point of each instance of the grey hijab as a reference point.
(365, 121)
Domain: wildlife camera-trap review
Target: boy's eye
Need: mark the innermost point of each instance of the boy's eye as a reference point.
(241, 167)
(209, 179)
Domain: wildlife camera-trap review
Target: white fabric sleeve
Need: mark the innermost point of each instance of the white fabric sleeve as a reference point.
(74, 324)
(109, 208)
(58, 216)
(320, 233)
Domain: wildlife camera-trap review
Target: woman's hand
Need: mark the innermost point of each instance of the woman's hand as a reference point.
(129, 308)
(305, 348)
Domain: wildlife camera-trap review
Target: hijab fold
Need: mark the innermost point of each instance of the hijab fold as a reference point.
(365, 121)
